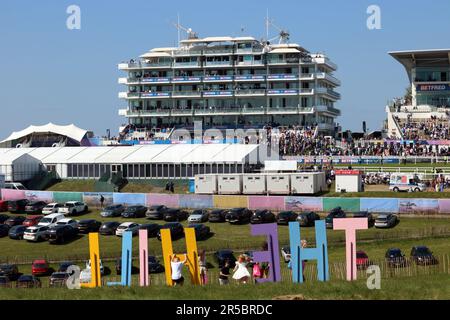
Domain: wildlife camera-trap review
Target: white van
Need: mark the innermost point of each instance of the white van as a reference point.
(15, 186)
(51, 220)
(406, 182)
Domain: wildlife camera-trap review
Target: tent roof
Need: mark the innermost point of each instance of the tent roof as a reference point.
(70, 131)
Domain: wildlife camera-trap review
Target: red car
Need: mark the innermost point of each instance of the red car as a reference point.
(32, 221)
(362, 260)
(3, 205)
(40, 268)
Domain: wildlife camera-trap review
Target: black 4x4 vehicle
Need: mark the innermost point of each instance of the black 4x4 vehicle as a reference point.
(336, 213)
(238, 216)
(176, 230)
(262, 216)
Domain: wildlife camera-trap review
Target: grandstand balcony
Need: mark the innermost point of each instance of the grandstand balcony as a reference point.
(282, 77)
(139, 65)
(329, 92)
(251, 92)
(251, 78)
(186, 79)
(327, 77)
(326, 61)
(218, 79)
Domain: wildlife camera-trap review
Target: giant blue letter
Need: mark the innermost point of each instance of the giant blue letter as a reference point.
(127, 246)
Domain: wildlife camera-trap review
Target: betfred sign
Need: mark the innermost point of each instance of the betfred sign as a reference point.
(348, 172)
(433, 87)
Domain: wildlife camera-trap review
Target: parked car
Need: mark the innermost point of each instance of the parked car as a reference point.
(286, 254)
(386, 221)
(135, 212)
(362, 260)
(114, 210)
(51, 220)
(27, 281)
(72, 208)
(109, 228)
(35, 207)
(15, 221)
(365, 214)
(51, 208)
(423, 256)
(11, 271)
(395, 258)
(40, 268)
(175, 215)
(17, 206)
(284, 217)
(3, 205)
(238, 216)
(4, 282)
(32, 221)
(64, 265)
(15, 186)
(118, 267)
(154, 266)
(217, 215)
(127, 226)
(308, 219)
(68, 222)
(102, 268)
(262, 216)
(202, 232)
(176, 230)
(198, 216)
(36, 233)
(4, 230)
(3, 218)
(88, 225)
(152, 229)
(58, 279)
(222, 256)
(61, 233)
(16, 232)
(156, 212)
(336, 213)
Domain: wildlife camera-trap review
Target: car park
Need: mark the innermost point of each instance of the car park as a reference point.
(336, 213)
(58, 279)
(3, 205)
(386, 221)
(395, 258)
(11, 271)
(308, 219)
(202, 232)
(238, 216)
(423, 256)
(217, 215)
(365, 214)
(67, 221)
(172, 215)
(109, 228)
(35, 207)
(127, 226)
(27, 281)
(111, 211)
(362, 260)
(286, 254)
(152, 229)
(176, 230)
(16, 232)
(3, 218)
(223, 256)
(61, 233)
(17, 206)
(262, 216)
(15, 221)
(156, 212)
(4, 230)
(154, 265)
(63, 266)
(135, 212)
(32, 220)
(72, 208)
(198, 216)
(88, 225)
(284, 217)
(51, 208)
(36, 233)
(40, 267)
(51, 220)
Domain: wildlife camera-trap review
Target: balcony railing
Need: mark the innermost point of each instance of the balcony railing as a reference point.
(186, 79)
(250, 78)
(250, 92)
(217, 78)
(218, 63)
(186, 94)
(283, 61)
(328, 77)
(275, 77)
(282, 92)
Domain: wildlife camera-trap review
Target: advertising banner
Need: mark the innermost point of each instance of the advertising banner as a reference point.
(419, 206)
(196, 201)
(263, 202)
(347, 204)
(386, 205)
(303, 204)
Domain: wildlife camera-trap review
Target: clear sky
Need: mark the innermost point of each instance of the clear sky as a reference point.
(52, 74)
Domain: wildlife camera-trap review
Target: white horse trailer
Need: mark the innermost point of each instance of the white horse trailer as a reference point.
(308, 183)
(206, 184)
(278, 183)
(254, 184)
(230, 184)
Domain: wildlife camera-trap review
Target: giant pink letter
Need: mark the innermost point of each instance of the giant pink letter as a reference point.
(143, 258)
(350, 225)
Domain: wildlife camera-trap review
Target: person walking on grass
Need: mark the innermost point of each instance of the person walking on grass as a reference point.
(203, 267)
(241, 273)
(102, 201)
(177, 270)
(224, 274)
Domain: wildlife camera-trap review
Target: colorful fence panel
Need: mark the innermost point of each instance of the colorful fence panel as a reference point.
(230, 201)
(170, 200)
(195, 201)
(46, 196)
(379, 205)
(444, 206)
(419, 206)
(303, 204)
(92, 199)
(347, 204)
(62, 197)
(261, 202)
(8, 194)
(130, 198)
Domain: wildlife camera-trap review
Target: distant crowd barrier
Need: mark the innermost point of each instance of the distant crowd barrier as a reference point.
(192, 201)
(367, 160)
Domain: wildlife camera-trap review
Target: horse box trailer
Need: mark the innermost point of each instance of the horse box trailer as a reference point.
(230, 184)
(308, 183)
(278, 183)
(206, 184)
(254, 184)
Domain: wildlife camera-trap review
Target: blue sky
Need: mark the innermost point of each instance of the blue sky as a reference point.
(52, 74)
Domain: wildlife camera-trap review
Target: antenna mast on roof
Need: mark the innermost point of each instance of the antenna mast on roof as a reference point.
(191, 34)
(283, 35)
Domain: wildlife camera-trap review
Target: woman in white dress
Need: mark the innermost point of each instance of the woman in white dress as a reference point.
(241, 273)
